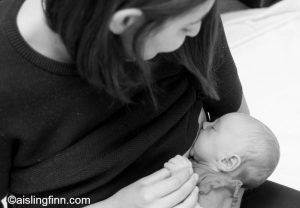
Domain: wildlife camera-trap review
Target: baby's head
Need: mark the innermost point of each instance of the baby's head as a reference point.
(240, 146)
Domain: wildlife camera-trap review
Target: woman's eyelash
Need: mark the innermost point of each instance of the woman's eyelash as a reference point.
(185, 30)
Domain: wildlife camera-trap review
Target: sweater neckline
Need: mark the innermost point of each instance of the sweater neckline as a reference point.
(16, 40)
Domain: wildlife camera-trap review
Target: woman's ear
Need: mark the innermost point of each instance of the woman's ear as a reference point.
(123, 19)
(229, 163)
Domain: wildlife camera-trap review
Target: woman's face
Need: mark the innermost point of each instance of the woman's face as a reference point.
(171, 35)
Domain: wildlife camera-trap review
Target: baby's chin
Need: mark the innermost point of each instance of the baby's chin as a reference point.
(195, 157)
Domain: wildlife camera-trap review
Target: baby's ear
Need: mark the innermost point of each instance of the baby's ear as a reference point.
(229, 163)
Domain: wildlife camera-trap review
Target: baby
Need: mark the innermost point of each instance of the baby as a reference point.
(232, 153)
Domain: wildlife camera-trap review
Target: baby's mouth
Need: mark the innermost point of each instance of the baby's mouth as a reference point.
(190, 157)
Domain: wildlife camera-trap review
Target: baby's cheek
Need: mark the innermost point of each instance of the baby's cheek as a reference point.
(204, 153)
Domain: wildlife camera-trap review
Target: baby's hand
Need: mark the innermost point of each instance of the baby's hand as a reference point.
(178, 163)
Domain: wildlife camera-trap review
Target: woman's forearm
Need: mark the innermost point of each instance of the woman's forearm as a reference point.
(107, 203)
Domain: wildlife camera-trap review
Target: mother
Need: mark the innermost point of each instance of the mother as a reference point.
(96, 95)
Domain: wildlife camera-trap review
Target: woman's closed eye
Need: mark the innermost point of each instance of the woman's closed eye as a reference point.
(192, 30)
(186, 30)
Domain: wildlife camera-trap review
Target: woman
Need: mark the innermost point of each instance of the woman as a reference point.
(97, 95)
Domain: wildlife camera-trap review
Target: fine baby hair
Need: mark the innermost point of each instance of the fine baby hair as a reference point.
(259, 151)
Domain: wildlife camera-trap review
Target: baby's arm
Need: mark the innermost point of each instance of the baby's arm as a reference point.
(178, 163)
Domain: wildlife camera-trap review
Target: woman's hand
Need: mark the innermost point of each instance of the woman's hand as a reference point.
(161, 190)
(158, 190)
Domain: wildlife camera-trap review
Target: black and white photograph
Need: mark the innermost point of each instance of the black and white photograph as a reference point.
(149, 103)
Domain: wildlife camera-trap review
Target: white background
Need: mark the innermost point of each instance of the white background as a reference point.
(265, 44)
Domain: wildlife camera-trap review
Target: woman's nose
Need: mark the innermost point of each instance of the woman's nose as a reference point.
(194, 30)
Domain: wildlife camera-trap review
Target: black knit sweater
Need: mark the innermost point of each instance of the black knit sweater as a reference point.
(61, 137)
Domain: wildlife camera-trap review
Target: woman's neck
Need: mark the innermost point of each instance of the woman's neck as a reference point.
(32, 25)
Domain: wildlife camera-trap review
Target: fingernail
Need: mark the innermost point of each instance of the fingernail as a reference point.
(195, 177)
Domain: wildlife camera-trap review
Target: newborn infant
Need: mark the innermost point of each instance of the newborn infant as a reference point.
(234, 152)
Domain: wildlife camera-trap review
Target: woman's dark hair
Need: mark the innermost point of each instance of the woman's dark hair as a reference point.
(84, 28)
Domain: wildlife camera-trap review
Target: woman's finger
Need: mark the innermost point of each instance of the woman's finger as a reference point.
(191, 200)
(157, 176)
(171, 184)
(178, 196)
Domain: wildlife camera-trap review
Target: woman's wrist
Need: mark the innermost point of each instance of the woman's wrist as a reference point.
(110, 202)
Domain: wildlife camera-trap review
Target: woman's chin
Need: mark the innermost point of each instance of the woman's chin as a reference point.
(148, 57)
(151, 55)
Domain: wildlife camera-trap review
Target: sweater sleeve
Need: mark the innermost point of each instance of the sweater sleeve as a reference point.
(5, 164)
(228, 82)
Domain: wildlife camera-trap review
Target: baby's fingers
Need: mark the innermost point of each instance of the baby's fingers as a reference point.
(170, 166)
(175, 160)
(180, 161)
(187, 160)
(183, 161)
(181, 158)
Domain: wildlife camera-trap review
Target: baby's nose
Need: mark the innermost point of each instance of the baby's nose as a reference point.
(207, 124)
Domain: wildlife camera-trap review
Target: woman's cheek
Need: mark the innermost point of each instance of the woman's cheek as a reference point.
(163, 44)
(170, 46)
(150, 50)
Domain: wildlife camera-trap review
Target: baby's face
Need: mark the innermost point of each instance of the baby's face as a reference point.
(218, 138)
